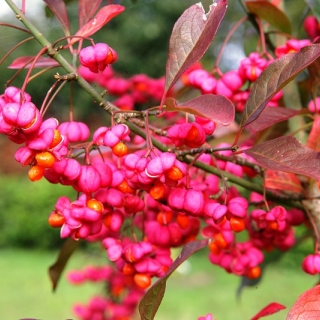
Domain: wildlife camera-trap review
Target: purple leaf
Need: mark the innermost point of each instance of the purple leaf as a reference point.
(287, 154)
(104, 15)
(214, 107)
(190, 39)
(59, 9)
(42, 62)
(151, 300)
(272, 115)
(270, 13)
(275, 77)
(87, 9)
(65, 253)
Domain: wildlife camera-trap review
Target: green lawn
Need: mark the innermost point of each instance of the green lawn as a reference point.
(199, 288)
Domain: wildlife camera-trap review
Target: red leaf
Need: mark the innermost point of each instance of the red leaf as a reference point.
(313, 138)
(151, 300)
(283, 181)
(214, 107)
(307, 306)
(42, 62)
(287, 154)
(190, 39)
(59, 9)
(271, 308)
(275, 77)
(270, 13)
(65, 253)
(104, 15)
(272, 115)
(86, 10)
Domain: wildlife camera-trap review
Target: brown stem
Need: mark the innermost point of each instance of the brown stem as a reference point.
(14, 27)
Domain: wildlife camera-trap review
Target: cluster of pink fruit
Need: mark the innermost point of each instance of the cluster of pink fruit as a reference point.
(163, 201)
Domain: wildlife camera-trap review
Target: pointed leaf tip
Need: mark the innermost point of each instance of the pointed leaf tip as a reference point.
(271, 308)
(55, 271)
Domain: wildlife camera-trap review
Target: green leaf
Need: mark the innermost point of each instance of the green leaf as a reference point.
(270, 13)
(151, 301)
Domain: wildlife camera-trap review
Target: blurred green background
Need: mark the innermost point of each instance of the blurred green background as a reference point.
(28, 245)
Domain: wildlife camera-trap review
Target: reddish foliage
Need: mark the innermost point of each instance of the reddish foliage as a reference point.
(287, 154)
(104, 15)
(307, 306)
(214, 107)
(283, 181)
(271, 308)
(190, 39)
